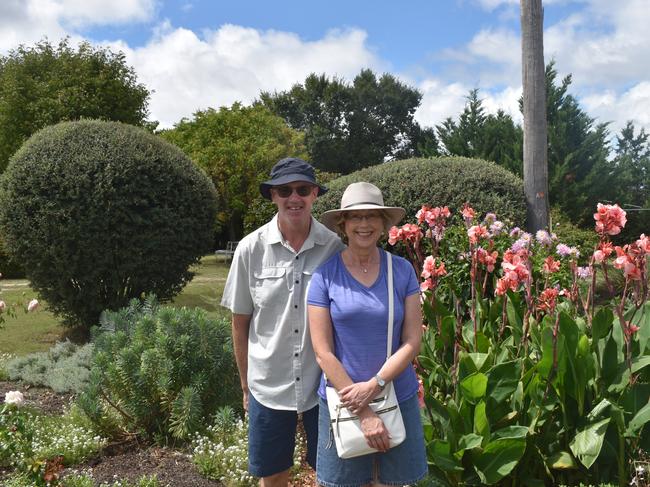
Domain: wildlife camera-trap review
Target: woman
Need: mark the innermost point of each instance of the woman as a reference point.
(348, 314)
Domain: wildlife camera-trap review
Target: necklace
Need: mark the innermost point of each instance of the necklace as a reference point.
(365, 269)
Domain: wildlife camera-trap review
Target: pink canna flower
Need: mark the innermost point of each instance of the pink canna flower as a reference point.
(626, 260)
(468, 213)
(610, 219)
(394, 235)
(426, 285)
(488, 259)
(429, 268)
(550, 265)
(421, 394)
(644, 243)
(476, 233)
(547, 300)
(603, 251)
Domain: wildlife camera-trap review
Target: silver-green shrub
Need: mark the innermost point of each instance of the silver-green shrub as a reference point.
(161, 371)
(64, 368)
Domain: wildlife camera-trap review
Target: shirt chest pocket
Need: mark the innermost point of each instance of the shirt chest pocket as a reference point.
(271, 288)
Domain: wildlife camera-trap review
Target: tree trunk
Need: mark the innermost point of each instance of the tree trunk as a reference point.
(535, 130)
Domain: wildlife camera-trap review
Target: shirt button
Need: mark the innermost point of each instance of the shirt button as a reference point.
(295, 331)
(295, 306)
(297, 257)
(297, 379)
(296, 354)
(297, 281)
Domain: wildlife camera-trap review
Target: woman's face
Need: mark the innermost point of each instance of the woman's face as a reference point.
(363, 228)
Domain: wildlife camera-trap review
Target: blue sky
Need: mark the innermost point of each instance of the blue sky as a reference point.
(196, 54)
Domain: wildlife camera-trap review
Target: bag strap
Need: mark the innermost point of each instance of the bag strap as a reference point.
(391, 305)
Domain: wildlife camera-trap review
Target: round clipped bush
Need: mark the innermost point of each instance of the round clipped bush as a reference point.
(101, 212)
(447, 181)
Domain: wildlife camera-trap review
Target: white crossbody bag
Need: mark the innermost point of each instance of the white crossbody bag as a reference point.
(346, 427)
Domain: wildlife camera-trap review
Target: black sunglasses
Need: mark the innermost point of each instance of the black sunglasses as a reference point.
(285, 191)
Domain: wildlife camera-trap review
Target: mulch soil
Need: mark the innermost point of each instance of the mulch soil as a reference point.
(129, 460)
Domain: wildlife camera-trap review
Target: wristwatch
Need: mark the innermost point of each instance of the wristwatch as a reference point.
(380, 382)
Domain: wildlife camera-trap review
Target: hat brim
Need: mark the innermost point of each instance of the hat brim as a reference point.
(265, 187)
(395, 214)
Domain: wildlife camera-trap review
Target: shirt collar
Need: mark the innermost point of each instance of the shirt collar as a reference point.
(318, 233)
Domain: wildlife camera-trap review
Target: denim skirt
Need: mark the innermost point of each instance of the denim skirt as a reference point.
(404, 464)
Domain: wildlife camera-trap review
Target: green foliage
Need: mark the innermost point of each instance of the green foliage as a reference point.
(483, 136)
(571, 234)
(448, 181)
(9, 268)
(159, 371)
(64, 368)
(46, 84)
(237, 147)
(351, 126)
(101, 212)
(630, 182)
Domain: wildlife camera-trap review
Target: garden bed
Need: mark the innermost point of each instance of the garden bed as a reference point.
(129, 460)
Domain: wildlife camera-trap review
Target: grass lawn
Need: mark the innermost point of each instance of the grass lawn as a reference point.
(38, 331)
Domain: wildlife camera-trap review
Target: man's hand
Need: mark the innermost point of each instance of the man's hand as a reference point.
(357, 396)
(245, 399)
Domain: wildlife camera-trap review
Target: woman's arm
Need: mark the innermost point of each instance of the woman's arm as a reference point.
(320, 328)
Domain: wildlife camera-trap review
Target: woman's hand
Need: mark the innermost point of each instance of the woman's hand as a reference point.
(357, 396)
(374, 430)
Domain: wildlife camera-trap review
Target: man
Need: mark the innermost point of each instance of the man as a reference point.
(266, 292)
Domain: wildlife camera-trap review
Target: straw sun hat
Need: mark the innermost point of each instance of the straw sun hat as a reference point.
(362, 196)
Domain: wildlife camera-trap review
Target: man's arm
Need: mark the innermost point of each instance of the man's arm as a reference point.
(240, 330)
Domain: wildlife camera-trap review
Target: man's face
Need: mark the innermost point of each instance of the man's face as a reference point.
(294, 201)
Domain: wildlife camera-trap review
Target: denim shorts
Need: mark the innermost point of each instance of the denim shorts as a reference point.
(404, 464)
(272, 438)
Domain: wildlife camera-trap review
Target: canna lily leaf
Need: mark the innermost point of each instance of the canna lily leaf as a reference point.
(473, 387)
(502, 380)
(498, 458)
(601, 324)
(638, 421)
(588, 442)
(561, 460)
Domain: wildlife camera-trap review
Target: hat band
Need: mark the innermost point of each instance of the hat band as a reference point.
(361, 203)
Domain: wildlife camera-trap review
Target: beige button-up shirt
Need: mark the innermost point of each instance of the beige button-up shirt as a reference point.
(268, 280)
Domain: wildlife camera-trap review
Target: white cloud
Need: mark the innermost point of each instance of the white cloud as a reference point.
(235, 63)
(632, 104)
(28, 21)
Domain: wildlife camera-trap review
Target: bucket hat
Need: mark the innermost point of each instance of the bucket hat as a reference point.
(289, 170)
(362, 196)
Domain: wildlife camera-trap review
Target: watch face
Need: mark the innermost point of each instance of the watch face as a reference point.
(381, 382)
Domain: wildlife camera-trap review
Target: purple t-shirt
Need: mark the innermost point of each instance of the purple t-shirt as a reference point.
(360, 315)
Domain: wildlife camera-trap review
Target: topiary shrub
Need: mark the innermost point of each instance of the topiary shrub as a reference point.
(9, 268)
(101, 212)
(447, 181)
(160, 371)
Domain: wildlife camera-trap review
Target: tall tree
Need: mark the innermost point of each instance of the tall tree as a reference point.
(534, 109)
(46, 84)
(351, 126)
(632, 170)
(493, 137)
(580, 174)
(237, 147)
